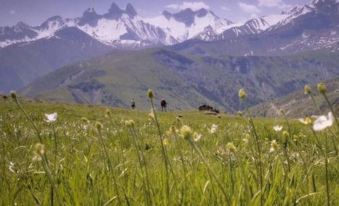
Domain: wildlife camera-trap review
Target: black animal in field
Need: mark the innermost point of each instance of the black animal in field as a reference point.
(208, 108)
(163, 104)
(205, 107)
(133, 104)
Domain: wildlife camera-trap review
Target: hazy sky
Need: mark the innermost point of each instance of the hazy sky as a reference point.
(35, 12)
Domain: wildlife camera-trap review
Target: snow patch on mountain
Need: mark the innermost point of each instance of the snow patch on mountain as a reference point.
(188, 23)
(294, 13)
(106, 30)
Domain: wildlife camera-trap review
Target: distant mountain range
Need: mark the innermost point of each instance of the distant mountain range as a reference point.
(123, 28)
(196, 56)
(28, 52)
(308, 28)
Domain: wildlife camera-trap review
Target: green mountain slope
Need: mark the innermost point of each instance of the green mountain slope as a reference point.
(114, 80)
(299, 105)
(23, 63)
(185, 79)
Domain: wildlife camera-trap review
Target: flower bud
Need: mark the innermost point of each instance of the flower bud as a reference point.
(150, 94)
(285, 134)
(322, 88)
(13, 94)
(231, 148)
(186, 132)
(242, 94)
(129, 123)
(306, 120)
(307, 90)
(99, 126)
(85, 120)
(165, 141)
(39, 149)
(108, 113)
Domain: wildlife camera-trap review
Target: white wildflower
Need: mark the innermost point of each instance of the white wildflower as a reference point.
(51, 117)
(196, 136)
(11, 167)
(277, 128)
(214, 129)
(323, 122)
(274, 146)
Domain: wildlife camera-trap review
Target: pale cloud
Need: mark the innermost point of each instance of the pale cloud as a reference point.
(269, 3)
(12, 12)
(185, 5)
(249, 8)
(273, 4)
(225, 8)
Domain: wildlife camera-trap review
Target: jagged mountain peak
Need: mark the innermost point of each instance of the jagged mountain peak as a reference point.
(114, 12)
(188, 15)
(21, 25)
(130, 10)
(89, 17)
(89, 11)
(53, 20)
(167, 14)
(114, 8)
(188, 23)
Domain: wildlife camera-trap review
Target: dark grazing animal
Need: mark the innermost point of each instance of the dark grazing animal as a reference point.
(208, 108)
(163, 104)
(205, 107)
(133, 104)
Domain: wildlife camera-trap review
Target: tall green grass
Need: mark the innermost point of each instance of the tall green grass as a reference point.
(102, 156)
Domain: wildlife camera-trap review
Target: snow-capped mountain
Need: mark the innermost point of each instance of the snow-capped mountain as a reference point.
(188, 23)
(22, 32)
(126, 28)
(257, 25)
(115, 28)
(286, 20)
(250, 27)
(316, 10)
(310, 27)
(123, 27)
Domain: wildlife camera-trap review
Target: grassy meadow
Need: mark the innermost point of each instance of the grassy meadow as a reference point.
(95, 155)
